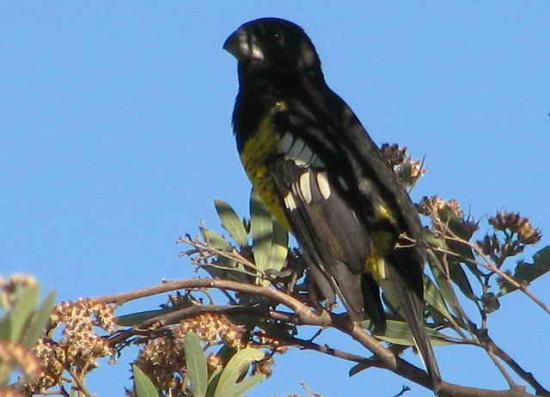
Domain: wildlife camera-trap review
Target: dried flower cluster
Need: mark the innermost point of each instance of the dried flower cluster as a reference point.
(264, 367)
(163, 358)
(516, 233)
(514, 223)
(275, 345)
(436, 207)
(447, 217)
(16, 355)
(71, 342)
(407, 170)
(212, 329)
(8, 288)
(9, 392)
(214, 361)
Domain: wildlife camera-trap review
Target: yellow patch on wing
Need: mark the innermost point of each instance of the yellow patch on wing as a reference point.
(257, 149)
(384, 212)
(382, 242)
(376, 266)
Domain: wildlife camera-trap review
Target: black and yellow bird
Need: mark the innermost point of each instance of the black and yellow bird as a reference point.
(318, 171)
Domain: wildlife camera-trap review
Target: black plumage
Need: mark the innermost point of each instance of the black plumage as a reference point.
(323, 177)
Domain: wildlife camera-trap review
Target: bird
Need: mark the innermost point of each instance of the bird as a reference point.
(325, 180)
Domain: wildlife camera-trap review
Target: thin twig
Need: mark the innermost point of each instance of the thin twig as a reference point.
(308, 345)
(502, 369)
(228, 255)
(526, 376)
(79, 383)
(404, 389)
(492, 267)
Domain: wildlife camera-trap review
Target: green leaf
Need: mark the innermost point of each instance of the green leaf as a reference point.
(432, 296)
(399, 333)
(458, 275)
(231, 222)
(269, 237)
(235, 369)
(25, 304)
(279, 249)
(213, 382)
(261, 228)
(490, 302)
(434, 240)
(216, 240)
(39, 321)
(5, 328)
(525, 273)
(457, 272)
(143, 386)
(196, 364)
(447, 291)
(242, 387)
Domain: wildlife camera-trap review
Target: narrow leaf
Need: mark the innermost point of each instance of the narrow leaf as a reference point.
(196, 364)
(143, 386)
(447, 291)
(235, 368)
(39, 320)
(526, 273)
(241, 388)
(433, 297)
(279, 249)
(399, 333)
(25, 304)
(458, 275)
(231, 222)
(215, 239)
(261, 228)
(213, 382)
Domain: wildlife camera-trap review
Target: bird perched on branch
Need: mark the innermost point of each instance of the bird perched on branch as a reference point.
(321, 175)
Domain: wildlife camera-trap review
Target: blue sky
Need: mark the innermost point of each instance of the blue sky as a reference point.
(115, 138)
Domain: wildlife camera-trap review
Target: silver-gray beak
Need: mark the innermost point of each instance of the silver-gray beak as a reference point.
(243, 46)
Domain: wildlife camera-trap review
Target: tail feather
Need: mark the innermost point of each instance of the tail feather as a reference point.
(411, 307)
(372, 303)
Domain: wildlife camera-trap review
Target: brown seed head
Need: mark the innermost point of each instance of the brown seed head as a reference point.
(265, 367)
(513, 222)
(394, 154)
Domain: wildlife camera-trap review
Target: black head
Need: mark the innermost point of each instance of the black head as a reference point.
(272, 43)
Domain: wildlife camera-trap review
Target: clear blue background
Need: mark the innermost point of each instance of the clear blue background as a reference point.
(115, 138)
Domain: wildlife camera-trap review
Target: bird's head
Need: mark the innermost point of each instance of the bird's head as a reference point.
(272, 43)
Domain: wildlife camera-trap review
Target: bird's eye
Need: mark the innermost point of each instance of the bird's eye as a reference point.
(278, 37)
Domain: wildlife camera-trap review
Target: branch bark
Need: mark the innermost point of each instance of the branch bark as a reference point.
(303, 315)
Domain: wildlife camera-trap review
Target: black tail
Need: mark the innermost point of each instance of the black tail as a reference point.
(411, 305)
(372, 303)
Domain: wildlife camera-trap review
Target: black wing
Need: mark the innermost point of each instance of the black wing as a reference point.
(344, 201)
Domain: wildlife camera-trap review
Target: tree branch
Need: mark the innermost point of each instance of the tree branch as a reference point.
(303, 315)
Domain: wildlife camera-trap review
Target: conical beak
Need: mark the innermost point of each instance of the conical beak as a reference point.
(243, 45)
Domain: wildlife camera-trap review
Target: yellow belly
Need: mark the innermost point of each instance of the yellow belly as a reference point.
(256, 151)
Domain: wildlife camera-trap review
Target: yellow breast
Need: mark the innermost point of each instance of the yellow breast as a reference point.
(257, 150)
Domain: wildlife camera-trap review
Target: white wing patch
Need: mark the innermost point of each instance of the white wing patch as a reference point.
(285, 142)
(324, 186)
(305, 157)
(290, 204)
(296, 150)
(304, 187)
